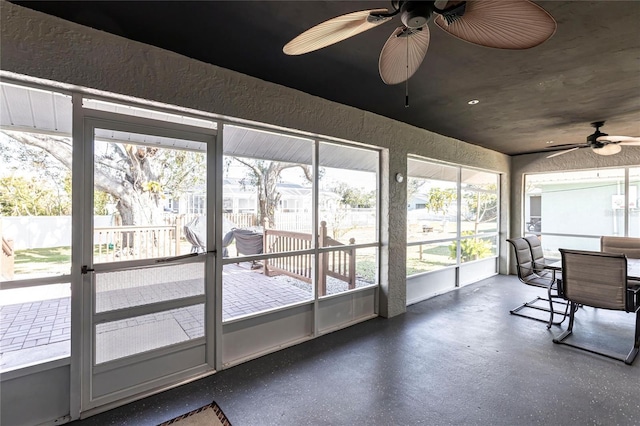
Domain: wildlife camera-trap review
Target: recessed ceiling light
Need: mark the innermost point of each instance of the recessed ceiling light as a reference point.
(549, 142)
(473, 102)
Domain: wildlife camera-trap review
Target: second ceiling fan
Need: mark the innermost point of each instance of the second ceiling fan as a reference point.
(601, 143)
(502, 24)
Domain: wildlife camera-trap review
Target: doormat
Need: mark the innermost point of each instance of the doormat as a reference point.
(209, 415)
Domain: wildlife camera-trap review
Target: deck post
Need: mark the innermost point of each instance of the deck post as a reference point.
(323, 260)
(352, 265)
(177, 232)
(265, 246)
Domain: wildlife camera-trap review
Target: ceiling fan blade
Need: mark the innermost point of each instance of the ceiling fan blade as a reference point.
(403, 53)
(502, 24)
(616, 139)
(555, 154)
(609, 149)
(631, 143)
(568, 145)
(335, 30)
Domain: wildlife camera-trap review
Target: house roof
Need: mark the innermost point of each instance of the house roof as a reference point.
(42, 111)
(587, 71)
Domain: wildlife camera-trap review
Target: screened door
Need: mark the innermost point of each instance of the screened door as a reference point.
(146, 258)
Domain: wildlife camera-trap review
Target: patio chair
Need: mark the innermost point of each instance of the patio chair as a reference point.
(194, 234)
(538, 276)
(248, 242)
(627, 245)
(598, 280)
(226, 241)
(536, 252)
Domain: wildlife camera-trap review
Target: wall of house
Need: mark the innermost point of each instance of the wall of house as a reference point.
(581, 159)
(45, 47)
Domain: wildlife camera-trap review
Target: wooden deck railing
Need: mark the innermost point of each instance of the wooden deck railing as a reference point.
(117, 243)
(339, 264)
(7, 259)
(276, 241)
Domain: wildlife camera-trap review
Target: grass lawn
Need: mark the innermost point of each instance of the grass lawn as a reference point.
(437, 256)
(43, 260)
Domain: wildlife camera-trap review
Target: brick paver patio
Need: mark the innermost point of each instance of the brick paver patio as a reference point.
(36, 325)
(33, 324)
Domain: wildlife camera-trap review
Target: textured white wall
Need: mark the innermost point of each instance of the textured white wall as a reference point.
(41, 46)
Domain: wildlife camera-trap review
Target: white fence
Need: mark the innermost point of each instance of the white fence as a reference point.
(29, 232)
(338, 219)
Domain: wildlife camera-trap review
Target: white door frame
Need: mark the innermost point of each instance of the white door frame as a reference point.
(202, 350)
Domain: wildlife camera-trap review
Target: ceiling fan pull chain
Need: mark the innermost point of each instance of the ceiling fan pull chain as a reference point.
(406, 82)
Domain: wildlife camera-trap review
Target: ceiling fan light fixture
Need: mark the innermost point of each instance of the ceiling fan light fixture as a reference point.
(473, 102)
(415, 14)
(609, 149)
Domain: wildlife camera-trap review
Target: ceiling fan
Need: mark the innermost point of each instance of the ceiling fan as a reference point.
(599, 142)
(502, 24)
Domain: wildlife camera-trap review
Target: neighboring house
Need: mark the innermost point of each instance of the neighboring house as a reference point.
(242, 198)
(417, 202)
(550, 203)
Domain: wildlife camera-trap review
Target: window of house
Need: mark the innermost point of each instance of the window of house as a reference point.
(633, 208)
(280, 255)
(573, 209)
(452, 216)
(478, 215)
(35, 225)
(433, 227)
(348, 218)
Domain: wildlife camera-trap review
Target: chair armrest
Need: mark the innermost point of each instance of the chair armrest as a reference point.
(633, 297)
(543, 269)
(560, 288)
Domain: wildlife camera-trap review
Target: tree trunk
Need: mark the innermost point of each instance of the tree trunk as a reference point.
(268, 197)
(138, 208)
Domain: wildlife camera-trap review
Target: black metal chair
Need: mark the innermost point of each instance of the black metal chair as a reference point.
(538, 275)
(537, 254)
(599, 280)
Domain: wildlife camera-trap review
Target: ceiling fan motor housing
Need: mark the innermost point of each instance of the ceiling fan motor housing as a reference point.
(415, 14)
(593, 141)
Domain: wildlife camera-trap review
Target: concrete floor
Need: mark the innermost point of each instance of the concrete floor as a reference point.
(456, 359)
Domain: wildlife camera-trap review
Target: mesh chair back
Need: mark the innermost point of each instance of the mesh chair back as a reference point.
(536, 249)
(523, 257)
(628, 245)
(595, 279)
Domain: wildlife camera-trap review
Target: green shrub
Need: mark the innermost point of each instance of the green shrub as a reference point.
(471, 248)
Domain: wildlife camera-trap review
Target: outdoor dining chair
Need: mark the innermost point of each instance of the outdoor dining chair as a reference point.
(630, 246)
(598, 280)
(538, 276)
(537, 254)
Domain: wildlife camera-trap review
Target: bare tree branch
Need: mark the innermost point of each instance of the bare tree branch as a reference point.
(58, 147)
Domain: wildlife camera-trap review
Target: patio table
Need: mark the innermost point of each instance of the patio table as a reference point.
(633, 268)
